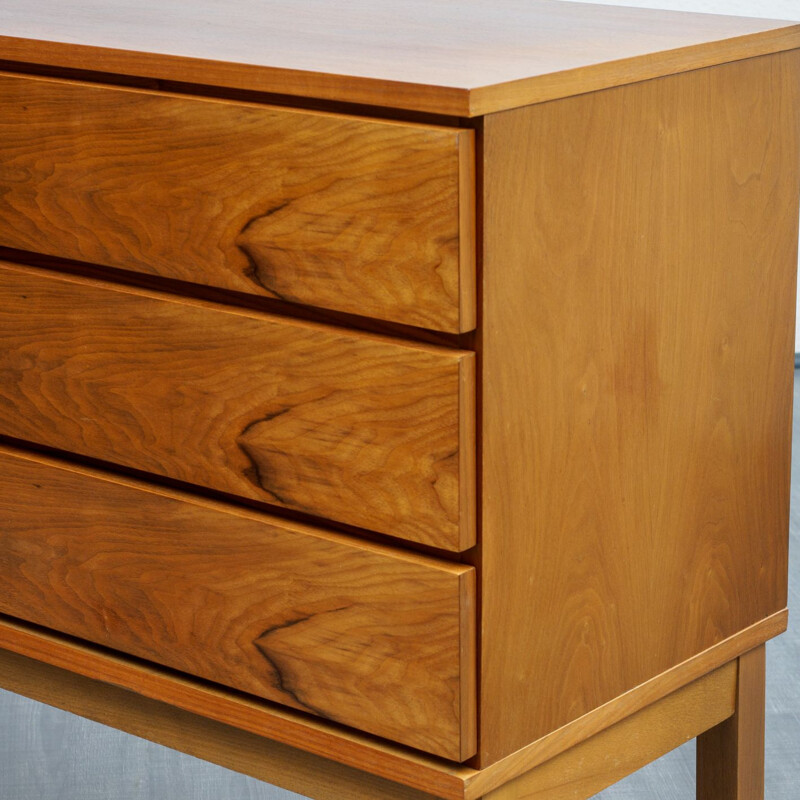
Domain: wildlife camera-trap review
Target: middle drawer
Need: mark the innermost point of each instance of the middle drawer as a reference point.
(361, 429)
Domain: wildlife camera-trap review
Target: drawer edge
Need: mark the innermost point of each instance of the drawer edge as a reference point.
(186, 645)
(384, 759)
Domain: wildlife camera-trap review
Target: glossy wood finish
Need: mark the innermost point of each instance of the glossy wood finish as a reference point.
(638, 248)
(361, 429)
(584, 770)
(375, 757)
(576, 773)
(639, 259)
(369, 637)
(244, 712)
(468, 60)
(730, 757)
(363, 216)
(662, 724)
(288, 767)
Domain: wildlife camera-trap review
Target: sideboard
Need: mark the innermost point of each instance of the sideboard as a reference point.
(395, 398)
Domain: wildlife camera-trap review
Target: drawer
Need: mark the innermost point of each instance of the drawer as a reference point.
(362, 216)
(365, 430)
(352, 632)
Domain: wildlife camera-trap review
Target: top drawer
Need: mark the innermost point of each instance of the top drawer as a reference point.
(363, 216)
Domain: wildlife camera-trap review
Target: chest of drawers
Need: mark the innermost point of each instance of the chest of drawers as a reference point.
(396, 402)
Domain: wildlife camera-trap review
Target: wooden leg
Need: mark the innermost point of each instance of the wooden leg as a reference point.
(589, 766)
(730, 756)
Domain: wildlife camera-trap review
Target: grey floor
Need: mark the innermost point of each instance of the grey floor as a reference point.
(46, 754)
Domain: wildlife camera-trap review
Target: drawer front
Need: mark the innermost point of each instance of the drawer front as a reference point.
(361, 429)
(361, 216)
(355, 633)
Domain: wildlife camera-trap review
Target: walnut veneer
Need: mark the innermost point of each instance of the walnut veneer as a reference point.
(395, 401)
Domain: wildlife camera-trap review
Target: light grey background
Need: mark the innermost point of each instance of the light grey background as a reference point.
(46, 754)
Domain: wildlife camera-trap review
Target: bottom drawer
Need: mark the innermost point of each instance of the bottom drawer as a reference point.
(351, 631)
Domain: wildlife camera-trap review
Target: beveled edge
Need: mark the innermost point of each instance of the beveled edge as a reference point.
(607, 75)
(423, 98)
(625, 705)
(613, 753)
(243, 712)
(429, 775)
(187, 732)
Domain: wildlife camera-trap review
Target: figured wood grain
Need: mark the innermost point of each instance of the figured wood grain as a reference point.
(362, 429)
(467, 59)
(278, 764)
(381, 758)
(639, 260)
(584, 770)
(625, 746)
(348, 631)
(627, 705)
(730, 756)
(316, 736)
(356, 215)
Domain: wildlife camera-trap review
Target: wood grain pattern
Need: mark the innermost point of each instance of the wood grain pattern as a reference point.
(411, 768)
(356, 215)
(622, 707)
(348, 631)
(639, 260)
(361, 429)
(287, 767)
(584, 770)
(316, 736)
(464, 60)
(730, 757)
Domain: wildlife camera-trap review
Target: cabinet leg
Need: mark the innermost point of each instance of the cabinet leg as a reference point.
(730, 756)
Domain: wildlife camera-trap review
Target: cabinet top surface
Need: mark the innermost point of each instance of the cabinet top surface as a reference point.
(463, 58)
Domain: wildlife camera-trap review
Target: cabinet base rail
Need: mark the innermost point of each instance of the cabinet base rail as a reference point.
(723, 707)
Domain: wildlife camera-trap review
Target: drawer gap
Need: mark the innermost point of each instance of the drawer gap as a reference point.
(184, 289)
(193, 491)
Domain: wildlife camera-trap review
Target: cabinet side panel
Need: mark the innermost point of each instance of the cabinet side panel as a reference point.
(640, 252)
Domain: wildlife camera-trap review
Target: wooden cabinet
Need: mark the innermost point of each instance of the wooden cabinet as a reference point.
(398, 403)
